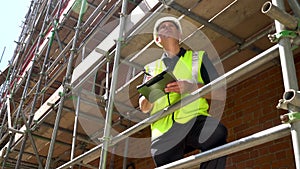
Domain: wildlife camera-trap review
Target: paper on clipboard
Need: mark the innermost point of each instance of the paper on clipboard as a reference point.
(154, 88)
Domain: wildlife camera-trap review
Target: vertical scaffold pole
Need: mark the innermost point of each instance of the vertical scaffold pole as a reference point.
(107, 127)
(289, 79)
(37, 91)
(65, 84)
(75, 127)
(5, 87)
(130, 75)
(3, 122)
(77, 110)
(55, 24)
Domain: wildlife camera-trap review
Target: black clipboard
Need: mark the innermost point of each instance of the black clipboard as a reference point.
(154, 88)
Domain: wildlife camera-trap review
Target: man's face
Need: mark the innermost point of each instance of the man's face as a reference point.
(168, 30)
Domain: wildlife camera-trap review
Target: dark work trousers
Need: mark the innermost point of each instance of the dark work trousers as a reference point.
(202, 133)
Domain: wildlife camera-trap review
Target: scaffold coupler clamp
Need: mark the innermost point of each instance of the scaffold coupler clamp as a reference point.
(35, 126)
(104, 53)
(274, 38)
(122, 40)
(103, 139)
(165, 4)
(290, 117)
(66, 85)
(290, 101)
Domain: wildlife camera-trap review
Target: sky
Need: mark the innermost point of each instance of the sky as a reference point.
(12, 15)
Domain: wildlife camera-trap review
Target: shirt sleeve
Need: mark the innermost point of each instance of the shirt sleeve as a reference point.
(147, 77)
(208, 70)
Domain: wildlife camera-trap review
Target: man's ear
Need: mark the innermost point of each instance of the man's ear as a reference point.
(179, 36)
(158, 39)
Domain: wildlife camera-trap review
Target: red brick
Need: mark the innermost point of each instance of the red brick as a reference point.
(283, 163)
(281, 154)
(241, 157)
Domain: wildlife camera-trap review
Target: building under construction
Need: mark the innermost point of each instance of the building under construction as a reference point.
(69, 97)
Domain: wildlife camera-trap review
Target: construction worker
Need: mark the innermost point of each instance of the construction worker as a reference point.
(190, 127)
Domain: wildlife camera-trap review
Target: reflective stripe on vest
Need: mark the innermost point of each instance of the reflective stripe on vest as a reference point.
(187, 68)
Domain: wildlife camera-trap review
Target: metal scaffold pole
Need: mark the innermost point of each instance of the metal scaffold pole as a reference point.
(75, 127)
(6, 85)
(55, 22)
(37, 90)
(232, 147)
(107, 128)
(287, 27)
(289, 80)
(130, 75)
(65, 84)
(3, 121)
(76, 120)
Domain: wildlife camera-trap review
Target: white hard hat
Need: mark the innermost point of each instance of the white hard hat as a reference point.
(159, 22)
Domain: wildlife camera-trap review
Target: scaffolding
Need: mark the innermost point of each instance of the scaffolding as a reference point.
(71, 55)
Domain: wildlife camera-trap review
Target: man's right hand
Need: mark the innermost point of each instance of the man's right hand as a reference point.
(145, 105)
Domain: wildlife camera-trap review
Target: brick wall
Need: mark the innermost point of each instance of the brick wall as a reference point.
(250, 108)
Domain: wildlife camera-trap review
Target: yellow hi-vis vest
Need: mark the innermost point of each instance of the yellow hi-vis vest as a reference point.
(187, 68)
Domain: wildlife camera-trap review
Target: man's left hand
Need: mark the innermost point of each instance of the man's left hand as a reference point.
(181, 87)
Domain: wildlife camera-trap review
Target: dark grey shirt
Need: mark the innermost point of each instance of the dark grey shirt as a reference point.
(207, 70)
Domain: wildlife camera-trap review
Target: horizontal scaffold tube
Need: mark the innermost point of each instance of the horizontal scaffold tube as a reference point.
(229, 77)
(277, 14)
(256, 139)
